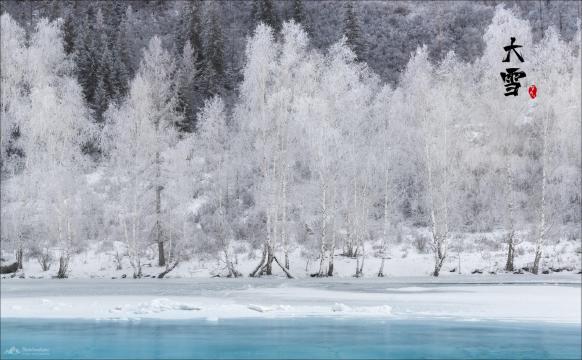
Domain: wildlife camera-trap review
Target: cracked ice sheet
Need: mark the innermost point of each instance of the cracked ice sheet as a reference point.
(240, 298)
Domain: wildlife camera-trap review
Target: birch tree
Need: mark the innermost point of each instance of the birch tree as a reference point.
(507, 118)
(418, 81)
(138, 136)
(384, 139)
(264, 115)
(213, 144)
(552, 113)
(254, 120)
(52, 130)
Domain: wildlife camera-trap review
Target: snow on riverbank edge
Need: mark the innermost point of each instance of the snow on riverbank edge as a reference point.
(279, 299)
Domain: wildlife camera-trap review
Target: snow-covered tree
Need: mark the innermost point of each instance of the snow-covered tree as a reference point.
(507, 118)
(552, 114)
(255, 122)
(219, 215)
(14, 100)
(138, 136)
(433, 118)
(51, 134)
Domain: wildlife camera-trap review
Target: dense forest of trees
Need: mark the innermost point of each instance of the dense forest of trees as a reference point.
(145, 122)
(106, 37)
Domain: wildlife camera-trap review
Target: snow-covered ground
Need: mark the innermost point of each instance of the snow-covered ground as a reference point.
(96, 290)
(486, 256)
(553, 298)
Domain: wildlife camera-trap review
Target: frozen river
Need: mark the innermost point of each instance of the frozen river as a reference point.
(463, 317)
(303, 338)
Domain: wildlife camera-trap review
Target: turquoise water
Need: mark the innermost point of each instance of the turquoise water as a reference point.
(286, 338)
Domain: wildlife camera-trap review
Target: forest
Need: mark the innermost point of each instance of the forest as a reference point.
(263, 132)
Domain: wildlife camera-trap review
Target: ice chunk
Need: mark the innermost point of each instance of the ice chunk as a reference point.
(155, 306)
(259, 308)
(337, 307)
(262, 309)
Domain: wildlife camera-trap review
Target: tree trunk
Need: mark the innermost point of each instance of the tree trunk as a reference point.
(63, 266)
(509, 196)
(322, 249)
(385, 230)
(381, 271)
(333, 233)
(357, 274)
(168, 269)
(543, 226)
(268, 269)
(44, 259)
(19, 256)
(321, 271)
(331, 252)
(510, 252)
(159, 240)
(232, 271)
(511, 235)
(137, 274)
(289, 276)
(330, 267)
(284, 228)
(161, 256)
(436, 271)
(261, 264)
(361, 269)
(536, 264)
(349, 249)
(439, 259)
(359, 265)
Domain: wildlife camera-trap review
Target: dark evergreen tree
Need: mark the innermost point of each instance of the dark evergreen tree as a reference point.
(86, 55)
(263, 11)
(69, 34)
(114, 12)
(54, 10)
(105, 90)
(187, 96)
(118, 62)
(181, 29)
(270, 15)
(298, 12)
(190, 42)
(101, 101)
(352, 32)
(125, 43)
(190, 29)
(120, 66)
(255, 13)
(214, 68)
(101, 68)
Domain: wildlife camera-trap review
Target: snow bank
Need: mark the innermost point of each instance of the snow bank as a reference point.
(215, 299)
(154, 306)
